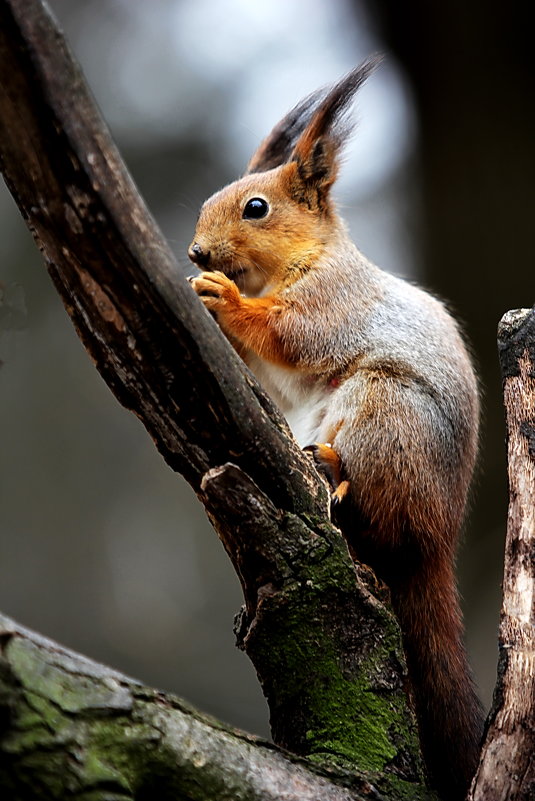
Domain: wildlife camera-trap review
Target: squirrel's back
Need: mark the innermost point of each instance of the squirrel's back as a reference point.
(350, 316)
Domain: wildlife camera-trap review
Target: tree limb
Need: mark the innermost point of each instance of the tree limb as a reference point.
(507, 766)
(79, 729)
(328, 655)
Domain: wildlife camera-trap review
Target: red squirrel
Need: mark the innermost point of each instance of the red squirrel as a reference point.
(373, 376)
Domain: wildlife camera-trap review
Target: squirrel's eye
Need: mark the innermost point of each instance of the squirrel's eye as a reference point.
(255, 209)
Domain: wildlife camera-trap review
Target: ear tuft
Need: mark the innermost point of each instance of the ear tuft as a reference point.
(277, 147)
(317, 148)
(321, 111)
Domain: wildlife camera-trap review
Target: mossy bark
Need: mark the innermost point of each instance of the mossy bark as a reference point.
(327, 652)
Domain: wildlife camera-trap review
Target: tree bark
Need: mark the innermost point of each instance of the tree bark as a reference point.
(507, 768)
(327, 652)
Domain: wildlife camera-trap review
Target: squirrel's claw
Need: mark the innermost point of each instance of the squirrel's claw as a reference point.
(216, 290)
(341, 492)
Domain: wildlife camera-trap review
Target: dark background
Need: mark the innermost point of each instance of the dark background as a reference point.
(101, 546)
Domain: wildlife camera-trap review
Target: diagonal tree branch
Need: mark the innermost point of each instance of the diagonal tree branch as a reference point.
(116, 275)
(328, 654)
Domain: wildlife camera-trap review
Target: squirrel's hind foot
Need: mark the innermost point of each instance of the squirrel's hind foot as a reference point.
(328, 464)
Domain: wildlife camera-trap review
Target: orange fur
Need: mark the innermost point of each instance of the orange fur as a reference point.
(244, 319)
(326, 455)
(328, 463)
(342, 491)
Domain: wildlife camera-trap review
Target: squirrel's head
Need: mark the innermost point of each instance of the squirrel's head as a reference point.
(271, 225)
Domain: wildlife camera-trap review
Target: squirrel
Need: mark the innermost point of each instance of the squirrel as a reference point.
(374, 378)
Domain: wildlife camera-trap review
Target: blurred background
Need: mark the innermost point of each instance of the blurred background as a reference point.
(101, 546)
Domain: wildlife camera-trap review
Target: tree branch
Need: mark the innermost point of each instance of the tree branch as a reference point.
(134, 311)
(507, 767)
(328, 654)
(79, 729)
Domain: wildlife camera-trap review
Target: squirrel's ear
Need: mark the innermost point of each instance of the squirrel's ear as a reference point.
(278, 146)
(320, 142)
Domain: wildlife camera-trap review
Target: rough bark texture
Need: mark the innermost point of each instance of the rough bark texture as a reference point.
(507, 767)
(327, 653)
(336, 700)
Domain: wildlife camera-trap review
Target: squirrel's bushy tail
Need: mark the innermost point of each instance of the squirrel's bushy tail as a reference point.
(449, 713)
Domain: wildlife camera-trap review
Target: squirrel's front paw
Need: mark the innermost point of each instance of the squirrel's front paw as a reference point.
(215, 290)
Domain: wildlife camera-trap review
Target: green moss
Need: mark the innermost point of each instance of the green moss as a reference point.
(352, 723)
(398, 790)
(34, 712)
(348, 720)
(97, 768)
(68, 692)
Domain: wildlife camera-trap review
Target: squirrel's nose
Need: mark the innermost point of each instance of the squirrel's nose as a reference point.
(198, 255)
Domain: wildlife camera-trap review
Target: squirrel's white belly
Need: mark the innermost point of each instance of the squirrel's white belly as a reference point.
(301, 399)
